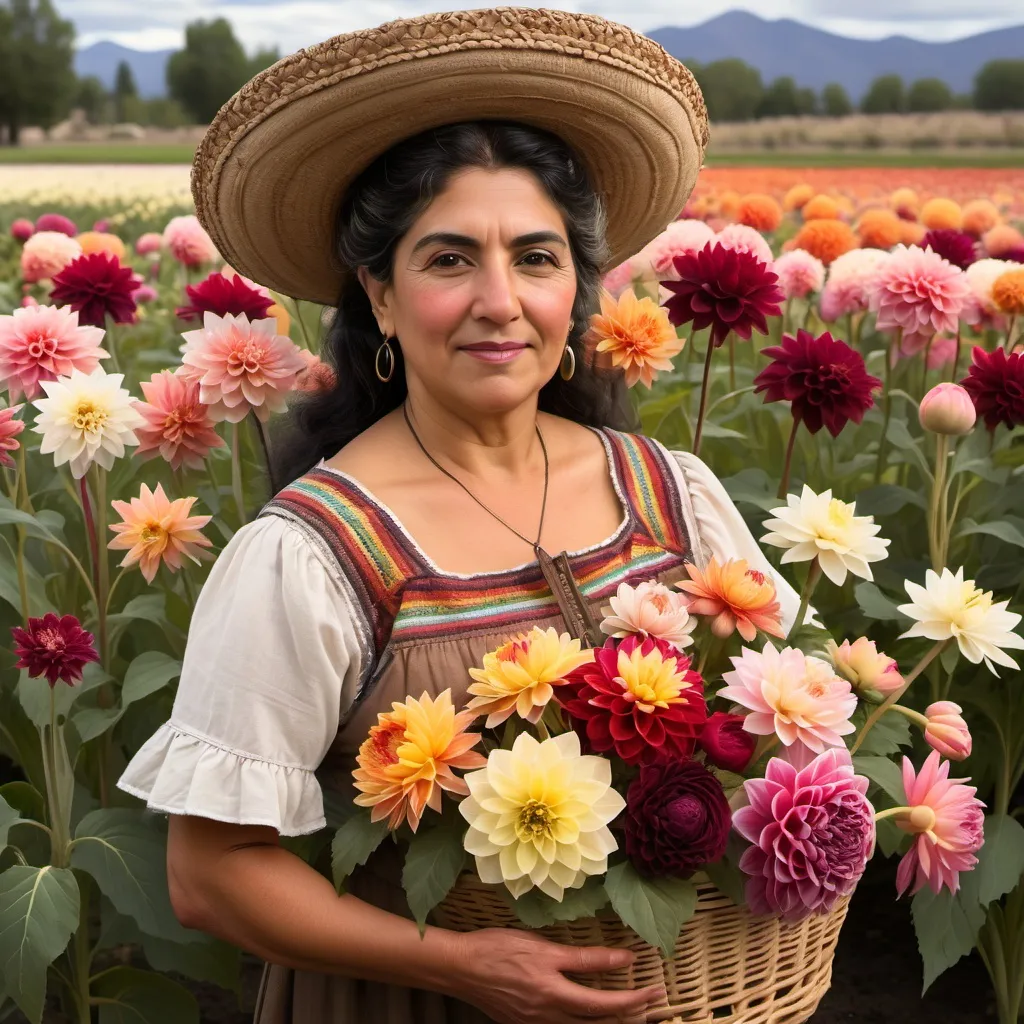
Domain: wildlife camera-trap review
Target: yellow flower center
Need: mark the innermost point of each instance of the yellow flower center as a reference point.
(650, 681)
(152, 532)
(837, 522)
(535, 821)
(88, 417)
(921, 818)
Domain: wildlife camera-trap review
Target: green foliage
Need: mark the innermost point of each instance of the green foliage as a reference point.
(999, 85)
(536, 910)
(655, 908)
(732, 89)
(353, 843)
(209, 70)
(131, 996)
(835, 102)
(432, 864)
(885, 95)
(928, 95)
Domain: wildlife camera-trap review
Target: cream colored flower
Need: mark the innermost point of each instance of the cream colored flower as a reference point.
(538, 815)
(820, 526)
(649, 609)
(948, 606)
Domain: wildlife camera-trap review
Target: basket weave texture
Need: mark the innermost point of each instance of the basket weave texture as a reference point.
(729, 967)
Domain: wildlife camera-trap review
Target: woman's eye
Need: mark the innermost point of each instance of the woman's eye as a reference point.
(457, 256)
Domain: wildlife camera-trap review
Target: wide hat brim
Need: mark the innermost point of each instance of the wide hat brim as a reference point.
(271, 170)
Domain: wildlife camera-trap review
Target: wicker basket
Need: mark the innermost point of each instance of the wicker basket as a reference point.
(730, 967)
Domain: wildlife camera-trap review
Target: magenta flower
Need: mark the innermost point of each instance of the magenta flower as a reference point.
(22, 230)
(957, 247)
(224, 295)
(10, 428)
(55, 647)
(57, 222)
(96, 286)
(812, 832)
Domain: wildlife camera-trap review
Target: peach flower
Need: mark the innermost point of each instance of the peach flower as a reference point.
(99, 241)
(760, 211)
(946, 731)
(741, 238)
(735, 597)
(826, 239)
(177, 426)
(820, 207)
(940, 213)
(149, 243)
(649, 609)
(47, 253)
(979, 216)
(187, 241)
(870, 672)
(799, 273)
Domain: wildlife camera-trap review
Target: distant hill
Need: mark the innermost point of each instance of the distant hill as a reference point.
(814, 58)
(101, 59)
(775, 48)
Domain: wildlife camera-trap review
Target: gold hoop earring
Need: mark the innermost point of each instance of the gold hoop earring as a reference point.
(567, 367)
(386, 350)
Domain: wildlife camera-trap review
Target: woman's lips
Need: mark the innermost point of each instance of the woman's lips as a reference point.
(495, 352)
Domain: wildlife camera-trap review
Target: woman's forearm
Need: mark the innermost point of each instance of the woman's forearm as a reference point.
(271, 903)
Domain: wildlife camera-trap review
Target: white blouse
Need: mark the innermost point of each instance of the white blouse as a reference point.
(274, 654)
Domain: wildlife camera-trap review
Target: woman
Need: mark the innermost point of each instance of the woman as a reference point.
(468, 437)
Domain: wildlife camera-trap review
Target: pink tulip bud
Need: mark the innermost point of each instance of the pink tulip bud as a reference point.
(22, 230)
(947, 409)
(946, 730)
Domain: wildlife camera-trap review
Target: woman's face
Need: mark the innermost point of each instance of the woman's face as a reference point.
(482, 293)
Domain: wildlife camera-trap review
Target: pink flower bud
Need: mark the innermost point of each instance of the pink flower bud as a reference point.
(947, 409)
(726, 743)
(946, 730)
(871, 673)
(22, 230)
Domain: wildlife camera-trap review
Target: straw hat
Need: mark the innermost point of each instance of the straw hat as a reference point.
(270, 173)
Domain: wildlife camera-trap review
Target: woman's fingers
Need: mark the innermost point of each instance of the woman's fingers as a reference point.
(619, 1004)
(587, 959)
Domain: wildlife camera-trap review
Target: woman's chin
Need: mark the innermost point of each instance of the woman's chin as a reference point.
(498, 393)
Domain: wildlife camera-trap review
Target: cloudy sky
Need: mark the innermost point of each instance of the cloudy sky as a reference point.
(291, 25)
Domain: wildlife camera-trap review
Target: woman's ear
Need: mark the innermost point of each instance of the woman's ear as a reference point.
(376, 291)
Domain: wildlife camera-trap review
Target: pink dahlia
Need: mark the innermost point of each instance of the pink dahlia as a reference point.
(10, 428)
(54, 646)
(47, 253)
(812, 832)
(619, 278)
(317, 376)
(946, 731)
(947, 823)
(188, 242)
(918, 292)
(742, 238)
(43, 343)
(149, 243)
(849, 285)
(96, 286)
(178, 426)
(57, 222)
(681, 236)
(799, 273)
(240, 366)
(22, 230)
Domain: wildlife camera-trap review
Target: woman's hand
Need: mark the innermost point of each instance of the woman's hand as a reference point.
(516, 977)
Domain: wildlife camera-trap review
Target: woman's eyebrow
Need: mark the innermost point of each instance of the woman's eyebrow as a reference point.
(468, 242)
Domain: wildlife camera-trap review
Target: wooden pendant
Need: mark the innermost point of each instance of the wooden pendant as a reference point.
(575, 610)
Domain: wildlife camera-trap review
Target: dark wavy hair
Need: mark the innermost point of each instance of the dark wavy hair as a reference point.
(379, 208)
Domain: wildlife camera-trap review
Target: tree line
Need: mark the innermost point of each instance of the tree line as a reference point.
(38, 85)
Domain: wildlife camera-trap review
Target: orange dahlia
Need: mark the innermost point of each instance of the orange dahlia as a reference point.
(905, 202)
(820, 207)
(879, 229)
(100, 241)
(735, 597)
(912, 232)
(1001, 239)
(979, 216)
(797, 196)
(409, 757)
(636, 334)
(941, 213)
(729, 203)
(760, 212)
(826, 239)
(1008, 292)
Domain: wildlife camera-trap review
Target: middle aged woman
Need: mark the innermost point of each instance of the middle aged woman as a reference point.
(478, 188)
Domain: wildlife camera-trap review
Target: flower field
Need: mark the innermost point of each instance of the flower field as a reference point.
(843, 347)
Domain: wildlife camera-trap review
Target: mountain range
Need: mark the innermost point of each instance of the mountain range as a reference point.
(775, 48)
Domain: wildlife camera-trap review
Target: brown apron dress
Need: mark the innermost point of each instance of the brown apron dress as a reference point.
(427, 628)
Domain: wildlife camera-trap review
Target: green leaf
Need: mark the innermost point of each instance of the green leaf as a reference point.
(727, 877)
(809, 639)
(214, 960)
(34, 526)
(38, 915)
(887, 500)
(25, 799)
(148, 673)
(8, 816)
(92, 722)
(127, 858)
(946, 930)
(994, 528)
(10, 588)
(889, 837)
(432, 863)
(888, 735)
(874, 604)
(353, 843)
(900, 436)
(34, 694)
(884, 773)
(1000, 862)
(535, 909)
(655, 908)
(132, 996)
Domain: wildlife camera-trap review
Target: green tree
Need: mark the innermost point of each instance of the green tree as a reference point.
(927, 95)
(834, 101)
(806, 101)
(999, 85)
(780, 99)
(885, 95)
(162, 112)
(124, 91)
(209, 71)
(91, 97)
(37, 82)
(732, 89)
(262, 59)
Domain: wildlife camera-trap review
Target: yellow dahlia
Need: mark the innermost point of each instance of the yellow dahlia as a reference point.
(520, 675)
(408, 757)
(538, 815)
(636, 334)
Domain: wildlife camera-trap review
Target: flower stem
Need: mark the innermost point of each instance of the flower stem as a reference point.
(764, 745)
(22, 578)
(26, 503)
(938, 526)
(813, 575)
(703, 396)
(1009, 332)
(891, 812)
(90, 526)
(887, 404)
(784, 483)
(896, 694)
(236, 473)
(956, 354)
(264, 444)
(732, 362)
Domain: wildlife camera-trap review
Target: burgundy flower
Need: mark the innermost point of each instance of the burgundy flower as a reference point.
(995, 382)
(224, 295)
(955, 246)
(726, 744)
(56, 222)
(677, 819)
(55, 647)
(638, 698)
(823, 377)
(1015, 255)
(96, 286)
(724, 289)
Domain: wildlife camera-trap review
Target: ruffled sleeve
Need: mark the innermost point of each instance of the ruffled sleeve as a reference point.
(272, 662)
(722, 531)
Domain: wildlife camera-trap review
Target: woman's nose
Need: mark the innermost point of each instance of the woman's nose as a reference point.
(497, 296)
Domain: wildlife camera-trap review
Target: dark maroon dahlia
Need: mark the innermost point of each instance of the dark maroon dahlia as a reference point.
(957, 247)
(638, 699)
(224, 295)
(724, 289)
(823, 378)
(677, 819)
(1014, 255)
(96, 286)
(55, 647)
(726, 744)
(995, 382)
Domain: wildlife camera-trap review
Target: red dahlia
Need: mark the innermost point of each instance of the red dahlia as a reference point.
(224, 295)
(55, 647)
(995, 382)
(724, 289)
(638, 698)
(955, 246)
(823, 377)
(96, 286)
